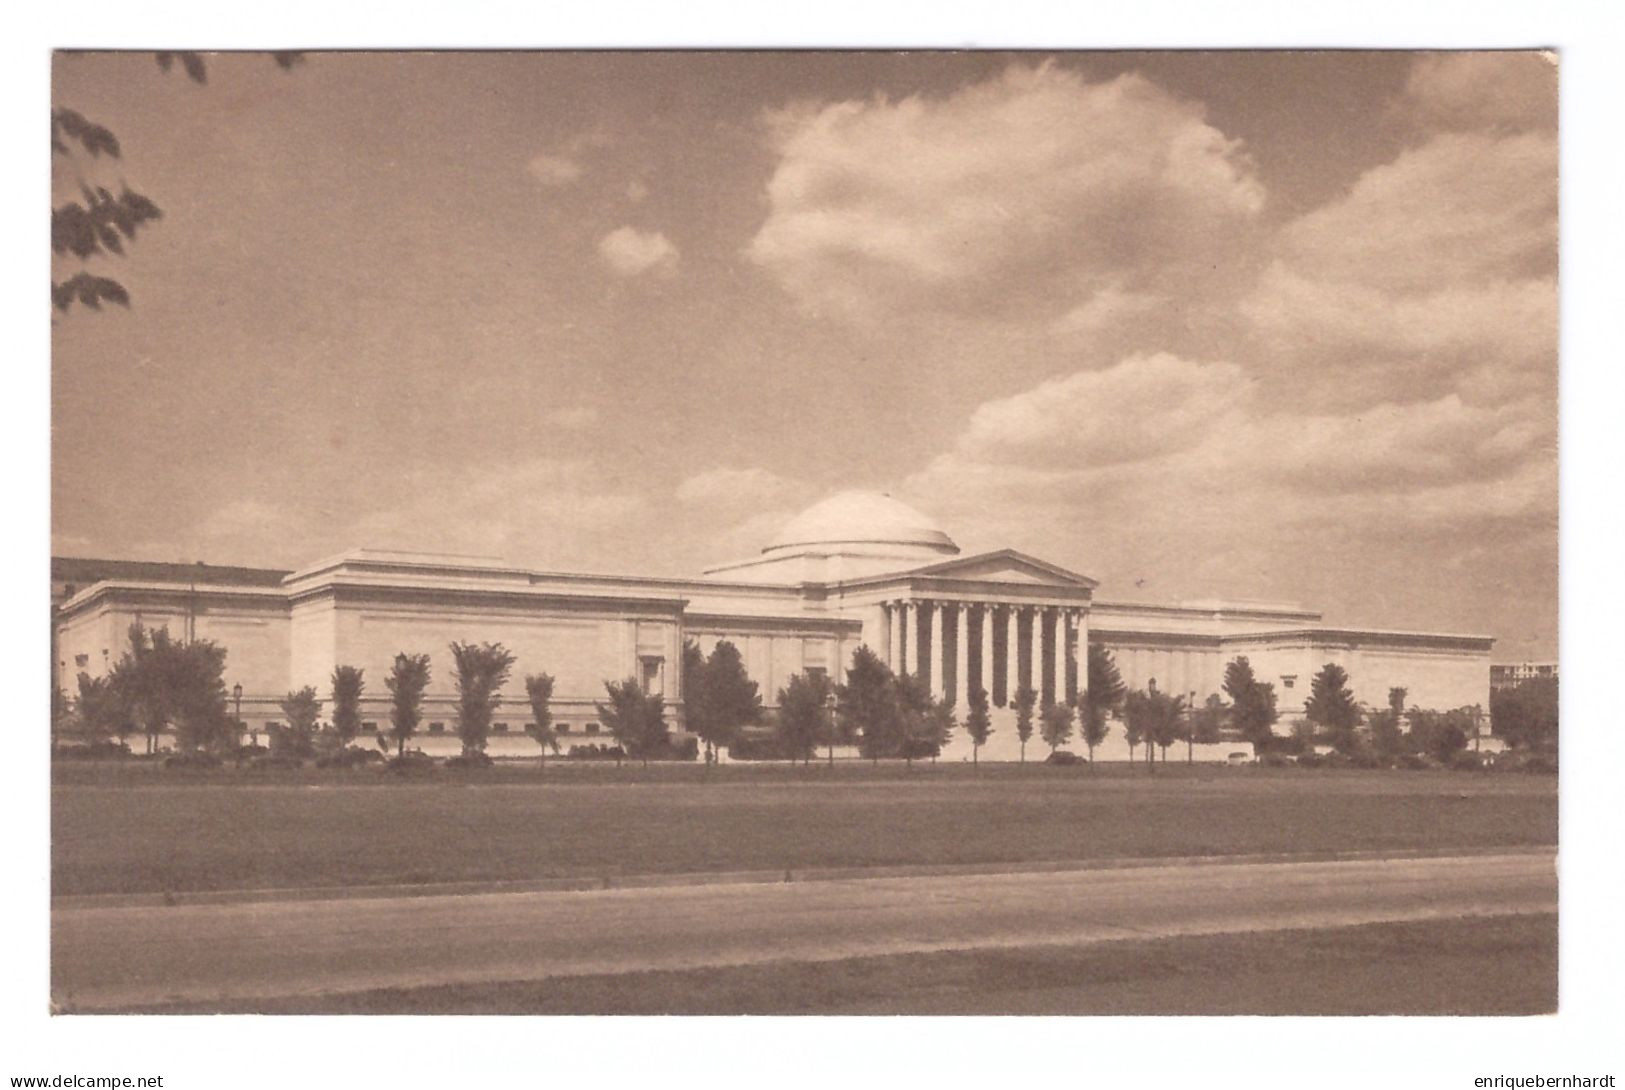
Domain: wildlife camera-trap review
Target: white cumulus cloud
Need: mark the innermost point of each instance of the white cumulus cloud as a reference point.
(1035, 187)
(630, 252)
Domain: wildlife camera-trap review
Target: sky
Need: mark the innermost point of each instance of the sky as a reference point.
(1275, 326)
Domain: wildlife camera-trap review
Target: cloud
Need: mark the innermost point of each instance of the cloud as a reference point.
(1483, 90)
(1147, 458)
(630, 252)
(565, 164)
(553, 171)
(1436, 270)
(1107, 307)
(1032, 188)
(1142, 407)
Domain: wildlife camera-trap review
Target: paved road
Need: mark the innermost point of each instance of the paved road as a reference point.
(106, 958)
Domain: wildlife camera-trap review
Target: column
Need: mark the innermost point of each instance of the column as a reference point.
(1012, 657)
(938, 674)
(899, 663)
(1034, 650)
(1078, 652)
(961, 694)
(1055, 685)
(886, 627)
(987, 649)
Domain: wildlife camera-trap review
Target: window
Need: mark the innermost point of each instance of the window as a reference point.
(653, 669)
(437, 728)
(592, 728)
(369, 728)
(1288, 680)
(271, 725)
(562, 728)
(81, 660)
(499, 728)
(816, 671)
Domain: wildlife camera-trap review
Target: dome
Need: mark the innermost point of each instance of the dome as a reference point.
(862, 518)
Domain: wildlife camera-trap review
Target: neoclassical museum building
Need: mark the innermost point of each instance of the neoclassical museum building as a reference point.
(857, 568)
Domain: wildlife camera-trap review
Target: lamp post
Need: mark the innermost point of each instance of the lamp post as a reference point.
(237, 695)
(829, 705)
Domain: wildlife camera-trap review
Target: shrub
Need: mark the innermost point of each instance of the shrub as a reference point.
(249, 752)
(1467, 761)
(1419, 762)
(593, 752)
(348, 757)
(473, 758)
(1064, 757)
(269, 761)
(1312, 760)
(412, 760)
(198, 759)
(95, 751)
(1273, 759)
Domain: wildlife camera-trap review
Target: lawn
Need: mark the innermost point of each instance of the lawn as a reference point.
(1503, 965)
(137, 828)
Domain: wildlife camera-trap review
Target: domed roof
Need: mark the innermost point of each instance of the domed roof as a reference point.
(861, 518)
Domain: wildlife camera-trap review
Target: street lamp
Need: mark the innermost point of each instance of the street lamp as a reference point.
(829, 706)
(237, 695)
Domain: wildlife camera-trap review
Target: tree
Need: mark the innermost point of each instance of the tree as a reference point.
(1526, 715)
(1025, 701)
(347, 689)
(1331, 706)
(104, 222)
(914, 716)
(134, 679)
(62, 716)
(161, 684)
(406, 683)
(482, 670)
(97, 712)
(1441, 734)
(1387, 725)
(801, 714)
(1207, 722)
(1154, 717)
(978, 722)
(539, 690)
(940, 724)
(1056, 725)
(1102, 697)
(298, 738)
(867, 705)
(718, 695)
(636, 719)
(1252, 703)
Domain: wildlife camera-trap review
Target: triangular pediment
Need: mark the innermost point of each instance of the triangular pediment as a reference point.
(1006, 566)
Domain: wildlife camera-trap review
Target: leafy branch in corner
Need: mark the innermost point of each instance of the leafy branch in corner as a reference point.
(102, 222)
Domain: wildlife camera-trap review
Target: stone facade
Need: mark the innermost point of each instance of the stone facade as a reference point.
(859, 568)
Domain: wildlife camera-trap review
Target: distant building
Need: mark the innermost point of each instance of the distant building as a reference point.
(1511, 675)
(858, 568)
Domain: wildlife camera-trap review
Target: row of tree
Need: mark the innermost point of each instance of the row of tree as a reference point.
(160, 685)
